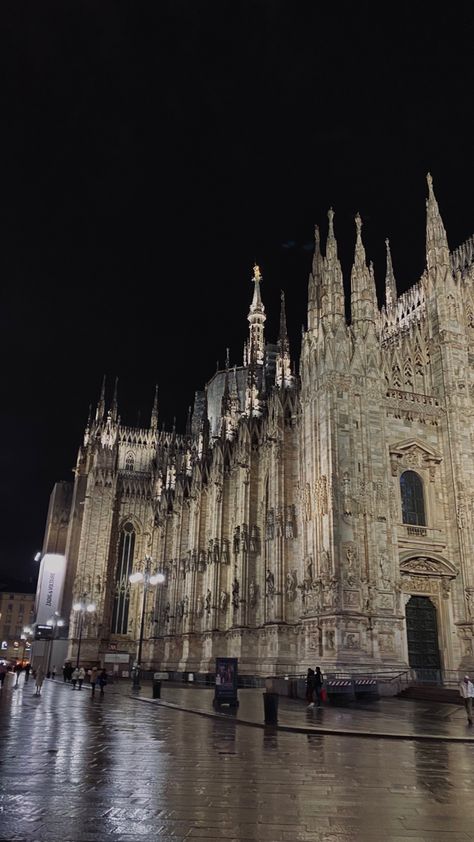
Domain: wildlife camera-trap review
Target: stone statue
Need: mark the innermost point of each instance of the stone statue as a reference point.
(235, 593)
(167, 612)
(254, 539)
(308, 570)
(208, 602)
(252, 594)
(291, 585)
(237, 539)
(186, 605)
(201, 561)
(200, 606)
(270, 526)
(385, 573)
(223, 599)
(270, 580)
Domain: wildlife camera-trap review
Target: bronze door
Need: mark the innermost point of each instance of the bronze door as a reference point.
(422, 635)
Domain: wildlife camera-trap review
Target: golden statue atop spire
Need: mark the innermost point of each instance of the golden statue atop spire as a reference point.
(257, 275)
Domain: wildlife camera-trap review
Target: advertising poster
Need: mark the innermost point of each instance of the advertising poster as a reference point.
(50, 587)
(226, 680)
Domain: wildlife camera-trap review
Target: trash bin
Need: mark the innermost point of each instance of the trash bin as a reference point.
(270, 707)
(156, 686)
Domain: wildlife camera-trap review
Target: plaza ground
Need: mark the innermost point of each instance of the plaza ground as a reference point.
(125, 768)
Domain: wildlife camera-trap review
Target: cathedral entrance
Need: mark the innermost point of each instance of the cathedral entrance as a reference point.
(422, 635)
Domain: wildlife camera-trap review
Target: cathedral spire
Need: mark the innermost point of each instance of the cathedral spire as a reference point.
(314, 283)
(332, 286)
(256, 318)
(390, 283)
(283, 375)
(114, 408)
(100, 411)
(189, 422)
(437, 249)
(154, 411)
(363, 296)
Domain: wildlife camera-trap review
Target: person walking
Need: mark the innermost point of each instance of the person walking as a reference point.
(81, 676)
(318, 685)
(74, 677)
(102, 681)
(3, 673)
(466, 689)
(93, 679)
(53, 673)
(27, 672)
(18, 670)
(310, 687)
(39, 678)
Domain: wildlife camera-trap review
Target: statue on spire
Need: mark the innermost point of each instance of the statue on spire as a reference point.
(257, 275)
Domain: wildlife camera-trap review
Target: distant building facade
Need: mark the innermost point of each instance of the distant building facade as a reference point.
(16, 613)
(322, 517)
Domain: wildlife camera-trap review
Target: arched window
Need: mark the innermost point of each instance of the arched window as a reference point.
(129, 462)
(122, 585)
(413, 506)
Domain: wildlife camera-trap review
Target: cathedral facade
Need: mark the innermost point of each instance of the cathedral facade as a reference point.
(320, 517)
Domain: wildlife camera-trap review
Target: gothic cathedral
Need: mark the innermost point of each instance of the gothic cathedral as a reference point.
(321, 518)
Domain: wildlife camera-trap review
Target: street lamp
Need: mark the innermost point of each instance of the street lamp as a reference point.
(27, 632)
(82, 607)
(55, 622)
(149, 579)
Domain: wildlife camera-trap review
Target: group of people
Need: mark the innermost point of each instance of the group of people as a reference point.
(77, 676)
(314, 688)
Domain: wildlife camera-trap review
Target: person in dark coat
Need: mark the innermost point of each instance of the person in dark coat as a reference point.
(310, 687)
(318, 684)
(102, 681)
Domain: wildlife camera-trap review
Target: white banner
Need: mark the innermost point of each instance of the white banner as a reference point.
(50, 586)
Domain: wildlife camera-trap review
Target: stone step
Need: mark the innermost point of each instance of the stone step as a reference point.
(432, 693)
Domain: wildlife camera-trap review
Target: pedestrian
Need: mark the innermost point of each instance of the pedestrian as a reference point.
(18, 669)
(64, 673)
(27, 672)
(53, 673)
(3, 672)
(81, 676)
(318, 685)
(102, 681)
(466, 689)
(74, 677)
(39, 678)
(93, 679)
(310, 687)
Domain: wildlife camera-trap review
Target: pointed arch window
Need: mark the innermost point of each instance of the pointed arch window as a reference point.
(122, 585)
(129, 462)
(413, 504)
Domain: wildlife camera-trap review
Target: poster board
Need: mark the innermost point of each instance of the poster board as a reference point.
(226, 681)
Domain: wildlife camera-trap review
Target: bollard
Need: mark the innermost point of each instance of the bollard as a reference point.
(270, 707)
(156, 687)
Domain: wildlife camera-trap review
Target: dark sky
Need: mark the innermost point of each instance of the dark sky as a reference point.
(152, 152)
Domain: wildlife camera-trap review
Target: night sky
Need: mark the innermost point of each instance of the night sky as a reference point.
(151, 153)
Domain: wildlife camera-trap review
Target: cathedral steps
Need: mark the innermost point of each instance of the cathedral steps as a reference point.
(432, 693)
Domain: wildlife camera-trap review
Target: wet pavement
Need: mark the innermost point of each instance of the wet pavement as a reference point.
(388, 717)
(76, 769)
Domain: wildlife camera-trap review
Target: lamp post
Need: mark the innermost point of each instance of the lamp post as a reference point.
(82, 608)
(55, 622)
(149, 579)
(27, 632)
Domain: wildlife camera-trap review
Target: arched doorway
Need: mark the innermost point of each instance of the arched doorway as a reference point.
(422, 635)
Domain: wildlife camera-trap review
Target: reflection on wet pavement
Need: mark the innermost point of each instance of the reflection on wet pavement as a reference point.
(81, 770)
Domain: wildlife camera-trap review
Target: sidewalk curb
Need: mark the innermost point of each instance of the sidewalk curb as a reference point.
(314, 729)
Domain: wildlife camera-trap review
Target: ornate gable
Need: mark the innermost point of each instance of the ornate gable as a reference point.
(413, 453)
(427, 566)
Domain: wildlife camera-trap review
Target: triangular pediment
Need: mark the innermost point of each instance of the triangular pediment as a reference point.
(414, 445)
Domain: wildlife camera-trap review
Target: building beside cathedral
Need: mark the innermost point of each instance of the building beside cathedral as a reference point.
(321, 517)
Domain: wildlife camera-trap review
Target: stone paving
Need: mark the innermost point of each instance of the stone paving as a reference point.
(76, 769)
